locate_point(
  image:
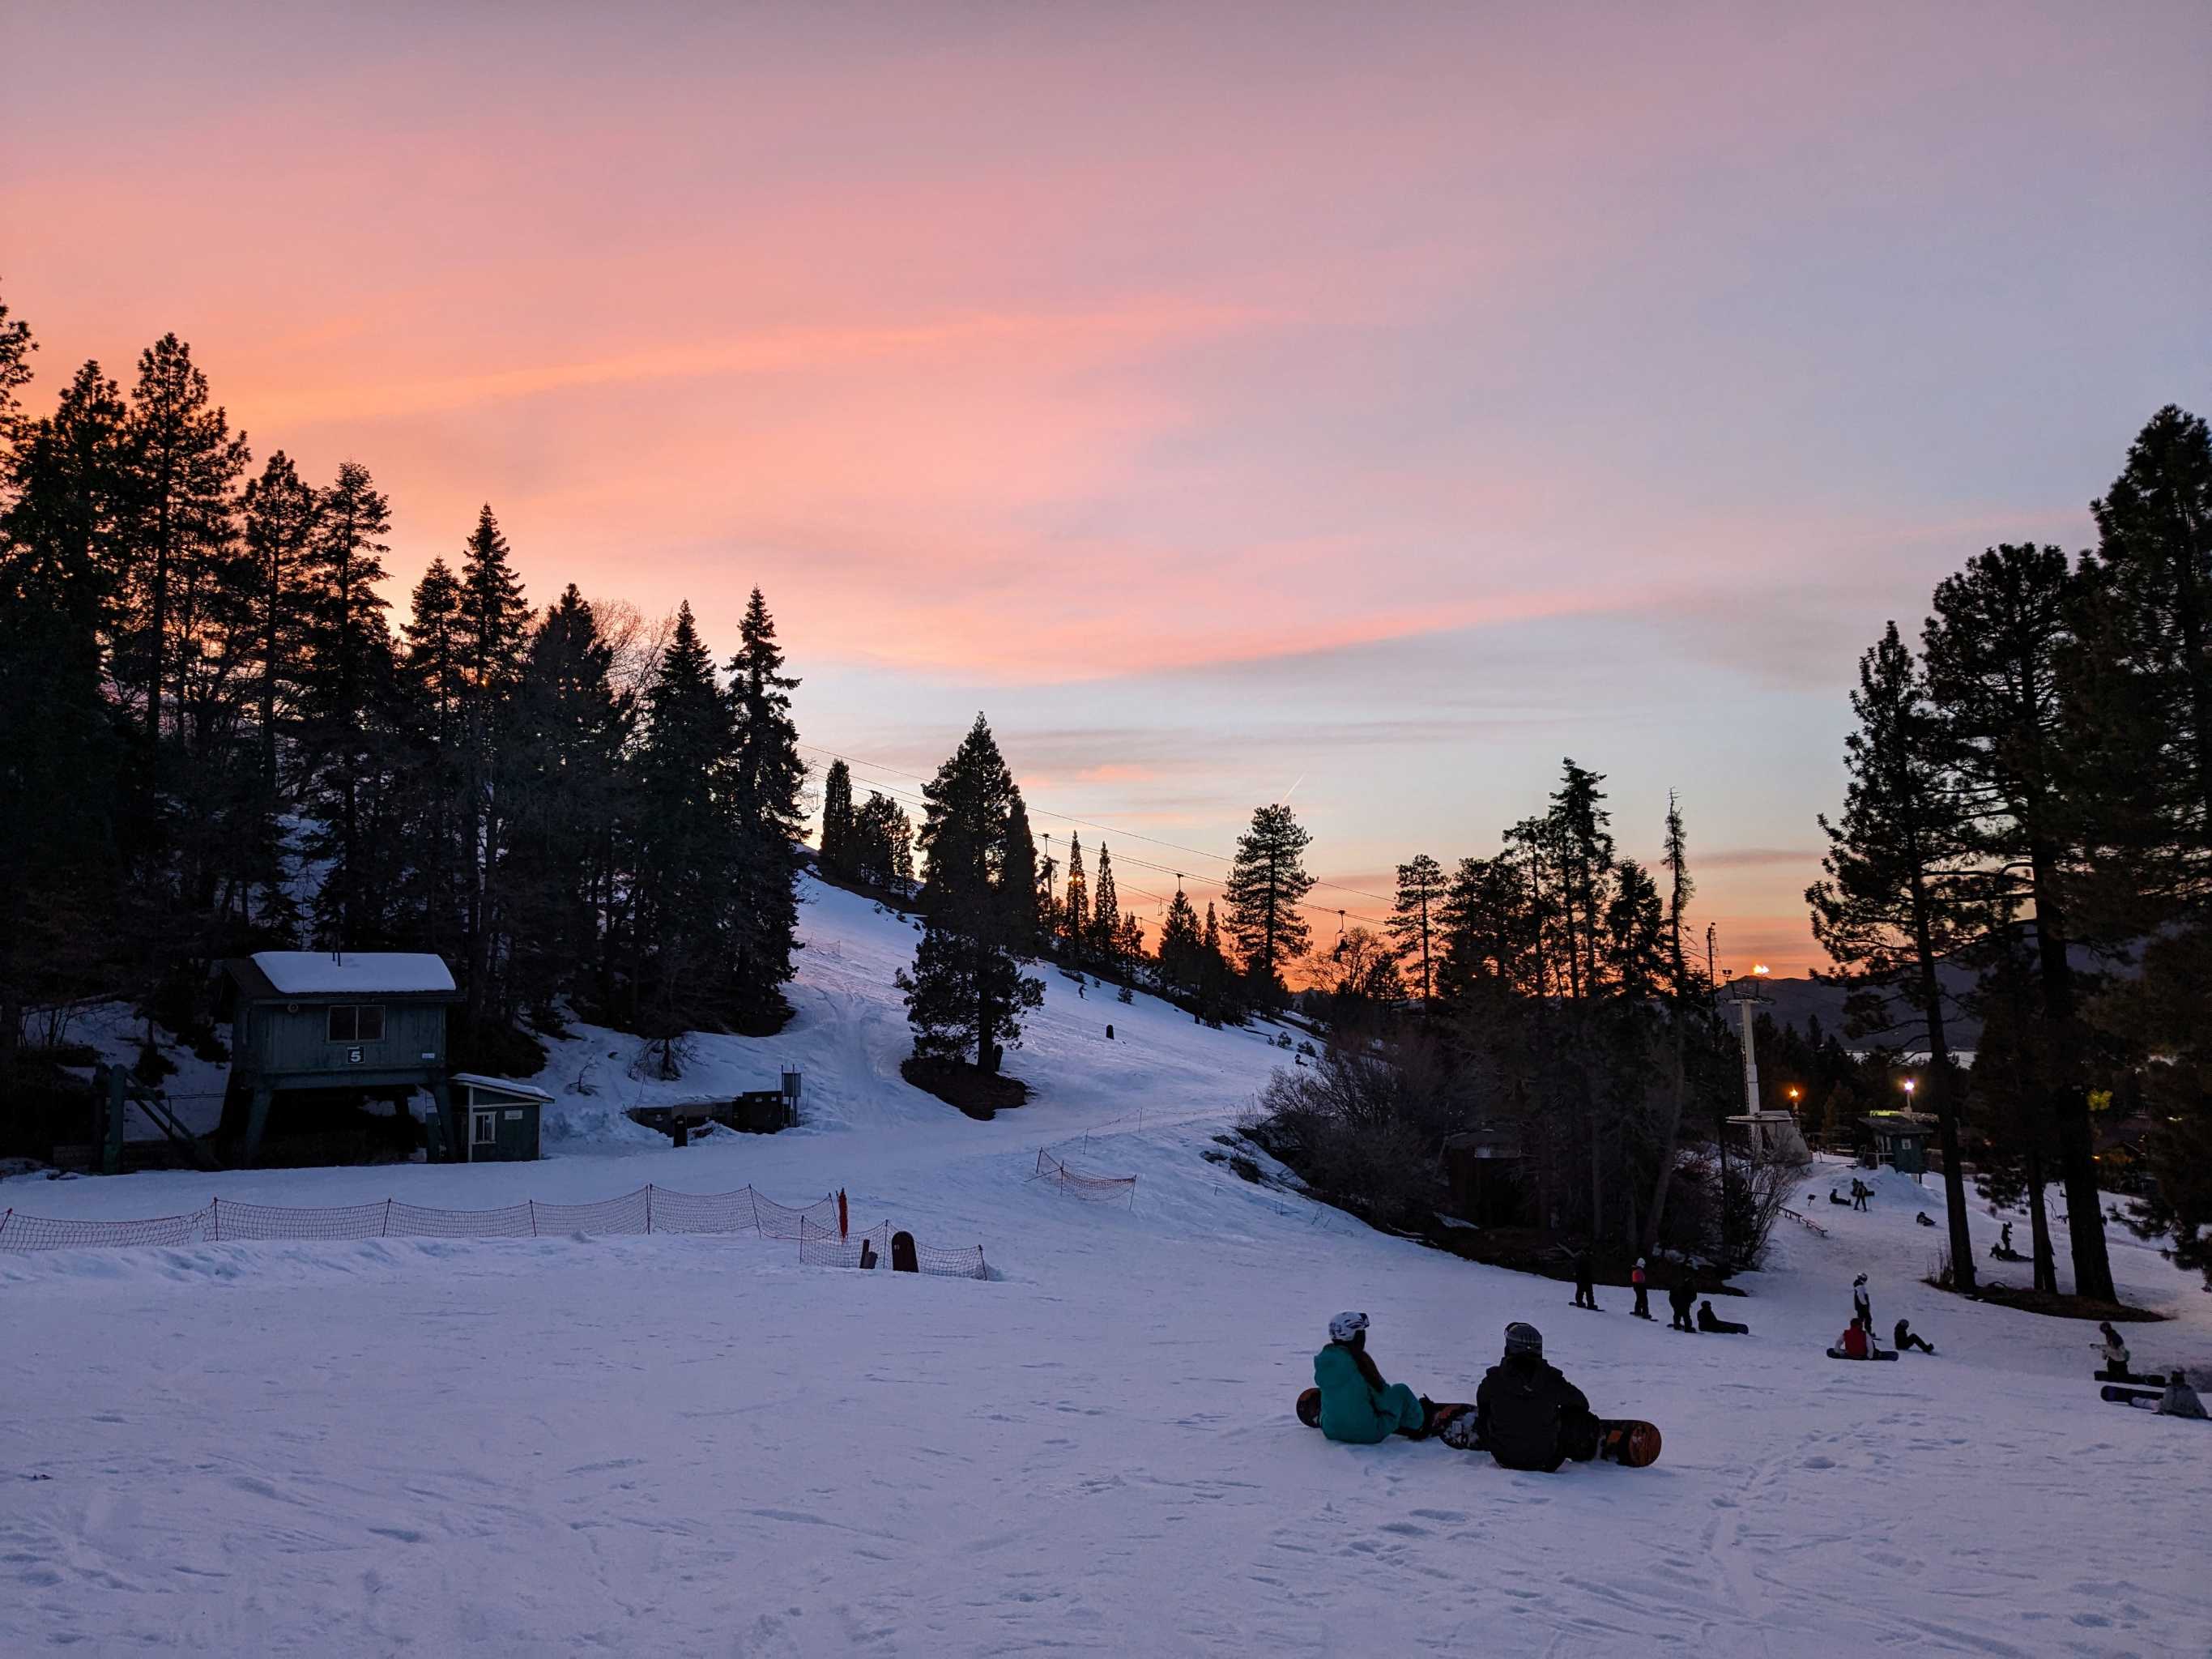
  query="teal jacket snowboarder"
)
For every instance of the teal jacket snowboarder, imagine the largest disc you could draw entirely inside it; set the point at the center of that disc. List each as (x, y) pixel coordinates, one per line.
(1357, 1405)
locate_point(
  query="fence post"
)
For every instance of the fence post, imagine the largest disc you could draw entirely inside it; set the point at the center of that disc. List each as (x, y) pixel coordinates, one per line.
(215, 1220)
(4, 1215)
(387, 1218)
(531, 1203)
(648, 1208)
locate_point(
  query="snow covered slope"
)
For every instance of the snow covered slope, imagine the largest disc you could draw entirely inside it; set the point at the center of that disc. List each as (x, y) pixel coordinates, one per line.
(676, 1445)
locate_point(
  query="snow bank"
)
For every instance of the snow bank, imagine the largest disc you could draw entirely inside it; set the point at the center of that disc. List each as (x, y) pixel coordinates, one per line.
(362, 973)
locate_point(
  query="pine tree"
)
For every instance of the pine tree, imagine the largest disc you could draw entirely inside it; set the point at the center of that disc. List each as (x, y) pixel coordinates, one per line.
(1075, 908)
(346, 683)
(1021, 878)
(1994, 650)
(1213, 990)
(882, 845)
(1680, 991)
(1905, 885)
(492, 632)
(16, 346)
(184, 465)
(1105, 915)
(563, 770)
(682, 835)
(836, 850)
(281, 516)
(1266, 885)
(1182, 947)
(766, 776)
(966, 994)
(1413, 919)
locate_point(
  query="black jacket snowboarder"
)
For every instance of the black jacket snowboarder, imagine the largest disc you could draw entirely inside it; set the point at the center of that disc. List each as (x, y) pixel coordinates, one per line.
(1904, 1339)
(1527, 1414)
(1682, 1296)
(1862, 1304)
(1585, 1288)
(1710, 1320)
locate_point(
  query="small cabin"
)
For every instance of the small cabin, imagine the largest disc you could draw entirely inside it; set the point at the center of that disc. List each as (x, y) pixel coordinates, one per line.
(501, 1118)
(1897, 1138)
(338, 1020)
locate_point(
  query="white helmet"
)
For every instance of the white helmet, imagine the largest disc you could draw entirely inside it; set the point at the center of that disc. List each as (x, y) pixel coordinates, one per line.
(1346, 1326)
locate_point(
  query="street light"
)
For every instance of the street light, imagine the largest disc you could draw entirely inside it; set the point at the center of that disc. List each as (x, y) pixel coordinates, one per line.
(1911, 1084)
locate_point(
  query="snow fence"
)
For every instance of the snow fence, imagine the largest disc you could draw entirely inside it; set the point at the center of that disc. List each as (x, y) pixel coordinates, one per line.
(1096, 1187)
(650, 1209)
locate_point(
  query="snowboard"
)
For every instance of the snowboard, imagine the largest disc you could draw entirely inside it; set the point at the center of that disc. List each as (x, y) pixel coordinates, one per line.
(2121, 1394)
(1630, 1443)
(1879, 1353)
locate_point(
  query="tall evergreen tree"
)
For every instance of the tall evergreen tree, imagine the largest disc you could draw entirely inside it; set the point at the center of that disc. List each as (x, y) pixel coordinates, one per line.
(767, 775)
(1906, 883)
(1075, 907)
(1680, 990)
(1266, 885)
(281, 515)
(966, 994)
(1021, 877)
(1105, 914)
(1994, 649)
(882, 849)
(681, 842)
(347, 685)
(1414, 918)
(1180, 946)
(492, 630)
(184, 464)
(836, 851)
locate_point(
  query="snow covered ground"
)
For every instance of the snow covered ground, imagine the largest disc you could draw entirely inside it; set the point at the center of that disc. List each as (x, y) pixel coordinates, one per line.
(682, 1445)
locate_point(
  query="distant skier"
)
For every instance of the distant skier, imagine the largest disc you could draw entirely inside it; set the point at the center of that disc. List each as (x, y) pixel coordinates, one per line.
(2180, 1400)
(1904, 1339)
(2004, 1240)
(1862, 1305)
(1357, 1405)
(2116, 1356)
(1527, 1414)
(1643, 1308)
(1681, 1297)
(1860, 1192)
(1585, 1286)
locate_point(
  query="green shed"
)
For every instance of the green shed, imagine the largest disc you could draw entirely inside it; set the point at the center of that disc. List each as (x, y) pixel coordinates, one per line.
(1900, 1139)
(336, 1019)
(501, 1118)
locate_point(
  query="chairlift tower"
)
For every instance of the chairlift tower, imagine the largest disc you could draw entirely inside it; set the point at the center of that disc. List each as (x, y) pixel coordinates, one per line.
(1774, 1135)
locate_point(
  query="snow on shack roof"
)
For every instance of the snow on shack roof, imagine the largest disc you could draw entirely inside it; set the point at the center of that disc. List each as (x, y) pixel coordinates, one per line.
(503, 1085)
(367, 973)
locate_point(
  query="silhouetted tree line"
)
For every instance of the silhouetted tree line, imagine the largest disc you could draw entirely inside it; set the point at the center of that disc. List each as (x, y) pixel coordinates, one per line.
(213, 739)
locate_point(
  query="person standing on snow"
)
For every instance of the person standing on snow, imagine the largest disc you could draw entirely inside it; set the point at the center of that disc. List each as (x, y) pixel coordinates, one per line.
(1528, 1416)
(1862, 1304)
(1643, 1309)
(1585, 1287)
(1357, 1405)
(1681, 1297)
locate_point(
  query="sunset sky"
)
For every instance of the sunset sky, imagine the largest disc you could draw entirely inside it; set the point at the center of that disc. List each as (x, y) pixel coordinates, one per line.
(1368, 404)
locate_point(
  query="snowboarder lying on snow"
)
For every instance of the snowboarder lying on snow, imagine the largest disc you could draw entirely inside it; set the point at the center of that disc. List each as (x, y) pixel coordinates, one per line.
(1357, 1405)
(1904, 1339)
(1710, 1320)
(2180, 1400)
(1527, 1414)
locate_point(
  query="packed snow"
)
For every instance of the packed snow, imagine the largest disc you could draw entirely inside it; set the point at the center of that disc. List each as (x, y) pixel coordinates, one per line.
(686, 1445)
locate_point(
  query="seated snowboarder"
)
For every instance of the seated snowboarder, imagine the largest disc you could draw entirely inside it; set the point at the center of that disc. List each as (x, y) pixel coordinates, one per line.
(1924, 1218)
(1856, 1343)
(1835, 1197)
(1904, 1339)
(1681, 1297)
(1710, 1320)
(1357, 1405)
(2180, 1400)
(2116, 1356)
(1528, 1416)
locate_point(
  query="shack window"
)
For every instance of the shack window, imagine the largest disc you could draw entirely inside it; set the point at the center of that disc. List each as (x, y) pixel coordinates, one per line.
(485, 1131)
(356, 1023)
